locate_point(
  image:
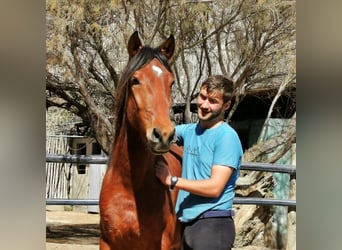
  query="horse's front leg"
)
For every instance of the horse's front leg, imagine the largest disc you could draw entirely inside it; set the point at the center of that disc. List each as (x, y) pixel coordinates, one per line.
(104, 245)
(171, 236)
(168, 244)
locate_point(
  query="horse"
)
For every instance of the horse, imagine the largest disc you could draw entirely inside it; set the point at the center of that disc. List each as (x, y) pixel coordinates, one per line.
(136, 209)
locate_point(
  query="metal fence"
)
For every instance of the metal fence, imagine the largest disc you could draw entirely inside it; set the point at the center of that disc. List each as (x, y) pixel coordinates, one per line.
(252, 166)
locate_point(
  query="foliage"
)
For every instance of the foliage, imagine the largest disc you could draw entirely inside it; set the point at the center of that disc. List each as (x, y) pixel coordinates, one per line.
(252, 41)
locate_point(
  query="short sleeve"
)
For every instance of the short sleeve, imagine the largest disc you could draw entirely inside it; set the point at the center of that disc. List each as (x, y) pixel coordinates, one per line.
(228, 150)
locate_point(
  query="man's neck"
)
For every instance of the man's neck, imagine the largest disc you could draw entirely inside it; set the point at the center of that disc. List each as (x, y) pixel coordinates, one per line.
(210, 124)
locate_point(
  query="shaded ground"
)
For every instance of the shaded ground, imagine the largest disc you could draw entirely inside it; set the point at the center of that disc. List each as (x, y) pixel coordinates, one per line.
(71, 230)
(86, 234)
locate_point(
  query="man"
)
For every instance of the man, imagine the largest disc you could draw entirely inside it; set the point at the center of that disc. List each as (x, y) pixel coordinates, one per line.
(210, 167)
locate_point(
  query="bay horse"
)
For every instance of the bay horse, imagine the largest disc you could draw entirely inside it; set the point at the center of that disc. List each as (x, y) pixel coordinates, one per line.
(136, 209)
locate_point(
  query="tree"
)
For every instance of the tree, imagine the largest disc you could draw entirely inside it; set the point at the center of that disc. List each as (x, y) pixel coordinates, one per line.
(86, 50)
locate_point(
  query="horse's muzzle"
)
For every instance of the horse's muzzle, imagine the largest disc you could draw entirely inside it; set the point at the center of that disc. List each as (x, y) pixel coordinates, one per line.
(160, 141)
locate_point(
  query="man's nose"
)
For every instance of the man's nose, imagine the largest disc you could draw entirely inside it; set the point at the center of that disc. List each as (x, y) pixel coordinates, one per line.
(204, 104)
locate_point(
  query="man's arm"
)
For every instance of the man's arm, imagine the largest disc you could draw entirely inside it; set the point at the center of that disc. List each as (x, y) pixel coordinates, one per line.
(211, 187)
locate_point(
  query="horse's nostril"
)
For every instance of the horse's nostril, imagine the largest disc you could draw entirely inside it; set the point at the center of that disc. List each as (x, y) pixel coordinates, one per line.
(157, 134)
(172, 136)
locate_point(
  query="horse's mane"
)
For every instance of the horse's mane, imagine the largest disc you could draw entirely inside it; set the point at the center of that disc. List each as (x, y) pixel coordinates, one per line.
(144, 55)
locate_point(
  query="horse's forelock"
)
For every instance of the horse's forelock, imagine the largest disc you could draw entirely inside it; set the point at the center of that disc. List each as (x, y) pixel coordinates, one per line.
(145, 55)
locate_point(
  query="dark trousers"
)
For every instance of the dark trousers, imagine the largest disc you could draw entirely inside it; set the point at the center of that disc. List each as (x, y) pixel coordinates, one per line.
(208, 234)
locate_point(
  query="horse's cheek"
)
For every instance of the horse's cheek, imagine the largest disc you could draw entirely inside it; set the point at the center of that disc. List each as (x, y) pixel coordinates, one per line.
(138, 97)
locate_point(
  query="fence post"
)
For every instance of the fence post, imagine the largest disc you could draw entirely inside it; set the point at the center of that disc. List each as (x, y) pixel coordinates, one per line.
(291, 217)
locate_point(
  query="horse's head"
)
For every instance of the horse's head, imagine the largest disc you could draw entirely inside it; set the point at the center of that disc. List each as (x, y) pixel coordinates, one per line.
(148, 98)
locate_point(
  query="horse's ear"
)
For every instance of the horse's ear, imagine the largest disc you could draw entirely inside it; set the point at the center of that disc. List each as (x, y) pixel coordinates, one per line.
(168, 47)
(134, 44)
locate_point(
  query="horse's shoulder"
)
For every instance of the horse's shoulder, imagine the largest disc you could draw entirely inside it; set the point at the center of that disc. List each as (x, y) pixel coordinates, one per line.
(174, 159)
(176, 150)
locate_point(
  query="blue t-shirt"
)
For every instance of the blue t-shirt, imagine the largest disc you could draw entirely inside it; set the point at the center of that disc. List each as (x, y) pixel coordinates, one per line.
(204, 148)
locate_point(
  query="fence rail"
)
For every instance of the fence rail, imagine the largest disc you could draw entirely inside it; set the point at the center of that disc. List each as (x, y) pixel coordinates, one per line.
(252, 166)
(237, 200)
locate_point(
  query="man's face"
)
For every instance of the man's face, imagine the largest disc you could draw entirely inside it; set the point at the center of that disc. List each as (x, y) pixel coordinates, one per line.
(210, 105)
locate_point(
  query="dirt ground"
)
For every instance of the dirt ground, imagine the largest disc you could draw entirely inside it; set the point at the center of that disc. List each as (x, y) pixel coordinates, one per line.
(75, 231)
(71, 230)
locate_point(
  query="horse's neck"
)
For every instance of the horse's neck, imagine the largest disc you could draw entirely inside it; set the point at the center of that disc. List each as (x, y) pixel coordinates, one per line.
(131, 158)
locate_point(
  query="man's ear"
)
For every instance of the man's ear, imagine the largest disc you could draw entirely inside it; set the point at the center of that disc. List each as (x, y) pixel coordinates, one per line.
(227, 105)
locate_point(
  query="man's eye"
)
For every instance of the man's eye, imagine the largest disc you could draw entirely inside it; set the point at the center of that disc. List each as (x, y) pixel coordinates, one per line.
(202, 97)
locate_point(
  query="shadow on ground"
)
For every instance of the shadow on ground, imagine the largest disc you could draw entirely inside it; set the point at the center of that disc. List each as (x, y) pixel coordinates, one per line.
(85, 234)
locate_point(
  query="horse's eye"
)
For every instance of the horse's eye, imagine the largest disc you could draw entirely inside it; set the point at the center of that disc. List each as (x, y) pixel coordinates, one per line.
(134, 81)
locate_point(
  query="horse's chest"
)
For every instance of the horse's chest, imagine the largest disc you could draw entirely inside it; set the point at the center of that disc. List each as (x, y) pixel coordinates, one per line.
(134, 213)
(132, 217)
(129, 229)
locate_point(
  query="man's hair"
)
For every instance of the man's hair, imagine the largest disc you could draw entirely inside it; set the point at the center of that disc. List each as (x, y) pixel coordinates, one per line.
(220, 83)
